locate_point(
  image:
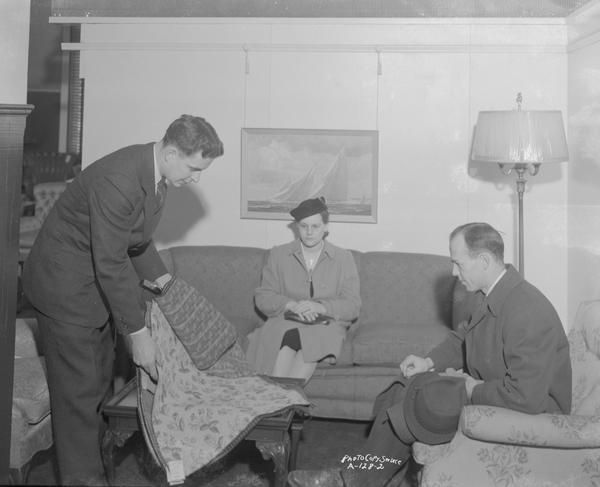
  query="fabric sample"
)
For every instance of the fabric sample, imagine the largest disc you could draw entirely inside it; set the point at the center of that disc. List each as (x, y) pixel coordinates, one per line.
(202, 329)
(199, 417)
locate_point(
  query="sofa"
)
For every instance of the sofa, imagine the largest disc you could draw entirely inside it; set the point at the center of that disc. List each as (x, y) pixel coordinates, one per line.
(409, 304)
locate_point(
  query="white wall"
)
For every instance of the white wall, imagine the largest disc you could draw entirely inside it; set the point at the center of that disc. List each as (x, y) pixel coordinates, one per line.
(14, 45)
(436, 75)
(584, 166)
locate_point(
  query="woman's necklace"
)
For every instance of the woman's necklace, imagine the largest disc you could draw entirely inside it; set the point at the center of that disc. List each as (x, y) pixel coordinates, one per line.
(311, 256)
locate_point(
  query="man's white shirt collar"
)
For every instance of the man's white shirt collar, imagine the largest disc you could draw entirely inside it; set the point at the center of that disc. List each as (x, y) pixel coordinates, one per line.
(157, 176)
(495, 282)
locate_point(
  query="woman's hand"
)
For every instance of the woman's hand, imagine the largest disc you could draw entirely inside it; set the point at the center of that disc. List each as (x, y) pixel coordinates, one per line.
(308, 309)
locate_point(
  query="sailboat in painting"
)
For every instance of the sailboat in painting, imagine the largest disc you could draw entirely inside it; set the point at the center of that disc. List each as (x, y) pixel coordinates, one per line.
(333, 185)
(345, 190)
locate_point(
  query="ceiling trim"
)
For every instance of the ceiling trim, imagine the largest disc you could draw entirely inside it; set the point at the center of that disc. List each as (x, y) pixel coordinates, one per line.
(357, 48)
(315, 21)
(315, 8)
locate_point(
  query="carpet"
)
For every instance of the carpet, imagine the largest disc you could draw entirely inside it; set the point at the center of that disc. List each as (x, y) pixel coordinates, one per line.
(322, 445)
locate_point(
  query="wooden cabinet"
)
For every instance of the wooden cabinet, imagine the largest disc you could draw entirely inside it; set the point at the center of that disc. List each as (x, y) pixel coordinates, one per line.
(12, 127)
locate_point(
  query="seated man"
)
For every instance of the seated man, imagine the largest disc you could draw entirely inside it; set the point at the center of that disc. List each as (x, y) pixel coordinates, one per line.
(513, 350)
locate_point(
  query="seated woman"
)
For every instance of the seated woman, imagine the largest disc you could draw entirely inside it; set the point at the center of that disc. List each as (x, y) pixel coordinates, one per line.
(308, 276)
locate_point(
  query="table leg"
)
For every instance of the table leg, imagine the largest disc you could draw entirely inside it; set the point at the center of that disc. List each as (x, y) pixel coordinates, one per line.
(107, 450)
(279, 452)
(111, 439)
(295, 433)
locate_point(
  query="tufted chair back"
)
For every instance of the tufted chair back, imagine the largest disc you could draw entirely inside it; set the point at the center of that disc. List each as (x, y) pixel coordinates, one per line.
(45, 195)
(584, 342)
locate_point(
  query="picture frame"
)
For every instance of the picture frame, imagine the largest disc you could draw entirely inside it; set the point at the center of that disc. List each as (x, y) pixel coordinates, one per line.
(282, 167)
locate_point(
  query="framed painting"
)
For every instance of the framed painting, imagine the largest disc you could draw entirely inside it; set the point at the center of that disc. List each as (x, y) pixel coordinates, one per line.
(282, 167)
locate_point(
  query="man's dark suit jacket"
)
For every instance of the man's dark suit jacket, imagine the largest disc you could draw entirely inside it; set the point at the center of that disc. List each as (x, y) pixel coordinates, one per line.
(96, 244)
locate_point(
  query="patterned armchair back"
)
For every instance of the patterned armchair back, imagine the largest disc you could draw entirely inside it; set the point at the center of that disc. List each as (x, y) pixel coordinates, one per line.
(44, 167)
(45, 195)
(584, 341)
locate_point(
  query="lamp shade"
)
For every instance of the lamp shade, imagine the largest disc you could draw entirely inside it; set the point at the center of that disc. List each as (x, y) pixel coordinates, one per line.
(515, 136)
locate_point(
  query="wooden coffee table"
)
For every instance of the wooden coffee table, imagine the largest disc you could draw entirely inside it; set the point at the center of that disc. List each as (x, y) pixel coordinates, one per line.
(276, 437)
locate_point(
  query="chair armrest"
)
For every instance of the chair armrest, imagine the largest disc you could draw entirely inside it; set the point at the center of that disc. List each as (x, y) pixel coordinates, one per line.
(29, 223)
(500, 425)
(425, 454)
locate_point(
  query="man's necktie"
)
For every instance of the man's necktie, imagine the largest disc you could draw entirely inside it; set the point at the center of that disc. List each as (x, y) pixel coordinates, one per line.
(161, 192)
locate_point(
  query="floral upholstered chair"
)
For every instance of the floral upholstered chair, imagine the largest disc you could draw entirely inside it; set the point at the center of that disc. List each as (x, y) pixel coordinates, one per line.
(501, 447)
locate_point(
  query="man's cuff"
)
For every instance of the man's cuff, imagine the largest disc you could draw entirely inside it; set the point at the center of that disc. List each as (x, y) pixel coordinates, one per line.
(162, 280)
(159, 286)
(476, 395)
(143, 329)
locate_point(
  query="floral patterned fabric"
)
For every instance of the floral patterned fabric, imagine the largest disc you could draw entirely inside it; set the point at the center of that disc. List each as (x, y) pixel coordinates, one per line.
(501, 447)
(197, 417)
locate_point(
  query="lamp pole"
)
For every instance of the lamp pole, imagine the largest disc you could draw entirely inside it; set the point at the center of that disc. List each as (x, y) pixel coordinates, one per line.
(520, 169)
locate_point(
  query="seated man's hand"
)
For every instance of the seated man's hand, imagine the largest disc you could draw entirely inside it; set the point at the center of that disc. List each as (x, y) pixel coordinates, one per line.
(455, 373)
(413, 364)
(470, 382)
(143, 351)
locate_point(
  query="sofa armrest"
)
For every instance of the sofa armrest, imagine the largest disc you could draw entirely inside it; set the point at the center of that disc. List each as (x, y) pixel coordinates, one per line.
(500, 425)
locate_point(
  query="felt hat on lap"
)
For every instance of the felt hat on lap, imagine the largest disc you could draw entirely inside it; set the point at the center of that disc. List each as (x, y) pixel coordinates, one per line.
(432, 406)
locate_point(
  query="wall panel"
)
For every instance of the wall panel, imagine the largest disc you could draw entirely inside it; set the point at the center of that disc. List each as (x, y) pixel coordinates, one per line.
(420, 83)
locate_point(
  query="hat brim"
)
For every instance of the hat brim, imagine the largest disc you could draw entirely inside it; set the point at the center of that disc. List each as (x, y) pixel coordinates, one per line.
(431, 380)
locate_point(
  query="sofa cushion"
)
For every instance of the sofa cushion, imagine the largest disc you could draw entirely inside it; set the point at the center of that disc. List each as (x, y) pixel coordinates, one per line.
(405, 288)
(348, 392)
(390, 343)
(243, 325)
(30, 389)
(225, 276)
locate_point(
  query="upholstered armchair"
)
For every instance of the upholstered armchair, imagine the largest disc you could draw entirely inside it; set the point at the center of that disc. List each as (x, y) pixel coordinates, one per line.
(496, 446)
(31, 428)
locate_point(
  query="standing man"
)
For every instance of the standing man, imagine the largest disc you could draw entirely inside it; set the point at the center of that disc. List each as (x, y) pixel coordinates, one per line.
(83, 273)
(513, 350)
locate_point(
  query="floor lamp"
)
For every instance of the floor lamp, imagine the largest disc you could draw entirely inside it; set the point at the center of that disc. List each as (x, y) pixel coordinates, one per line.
(520, 141)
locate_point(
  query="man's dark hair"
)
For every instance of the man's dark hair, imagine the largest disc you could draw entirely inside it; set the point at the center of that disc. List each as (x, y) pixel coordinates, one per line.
(481, 237)
(191, 135)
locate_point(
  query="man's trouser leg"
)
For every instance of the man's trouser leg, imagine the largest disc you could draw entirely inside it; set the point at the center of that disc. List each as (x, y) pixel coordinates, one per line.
(79, 363)
(384, 441)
